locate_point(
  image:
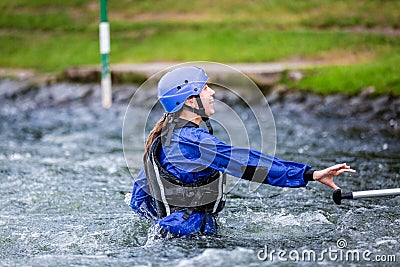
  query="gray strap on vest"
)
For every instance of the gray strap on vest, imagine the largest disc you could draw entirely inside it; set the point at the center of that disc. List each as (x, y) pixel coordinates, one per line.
(221, 191)
(169, 134)
(162, 192)
(170, 129)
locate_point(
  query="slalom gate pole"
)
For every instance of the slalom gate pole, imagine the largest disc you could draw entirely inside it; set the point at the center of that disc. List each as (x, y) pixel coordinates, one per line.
(104, 36)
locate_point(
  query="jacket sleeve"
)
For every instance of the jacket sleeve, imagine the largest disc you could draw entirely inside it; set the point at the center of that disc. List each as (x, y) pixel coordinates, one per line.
(141, 201)
(249, 164)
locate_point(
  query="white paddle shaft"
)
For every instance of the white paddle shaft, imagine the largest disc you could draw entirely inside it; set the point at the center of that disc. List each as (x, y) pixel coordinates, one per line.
(377, 193)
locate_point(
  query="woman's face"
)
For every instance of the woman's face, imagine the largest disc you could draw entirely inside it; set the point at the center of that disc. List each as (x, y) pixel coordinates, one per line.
(207, 97)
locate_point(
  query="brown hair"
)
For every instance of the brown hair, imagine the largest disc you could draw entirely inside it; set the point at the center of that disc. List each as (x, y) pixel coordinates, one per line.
(162, 122)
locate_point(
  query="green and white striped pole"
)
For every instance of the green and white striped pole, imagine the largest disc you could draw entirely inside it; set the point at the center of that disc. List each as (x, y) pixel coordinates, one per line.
(104, 35)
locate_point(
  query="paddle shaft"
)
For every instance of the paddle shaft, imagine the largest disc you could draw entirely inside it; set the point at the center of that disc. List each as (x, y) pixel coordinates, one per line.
(338, 195)
(376, 193)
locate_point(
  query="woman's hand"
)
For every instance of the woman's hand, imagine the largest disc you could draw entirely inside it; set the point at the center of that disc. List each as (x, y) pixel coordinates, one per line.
(326, 176)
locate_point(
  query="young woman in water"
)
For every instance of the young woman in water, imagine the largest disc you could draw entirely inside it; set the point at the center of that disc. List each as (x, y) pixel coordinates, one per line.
(181, 186)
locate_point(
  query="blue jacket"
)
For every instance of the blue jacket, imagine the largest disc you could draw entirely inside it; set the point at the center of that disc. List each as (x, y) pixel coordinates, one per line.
(192, 155)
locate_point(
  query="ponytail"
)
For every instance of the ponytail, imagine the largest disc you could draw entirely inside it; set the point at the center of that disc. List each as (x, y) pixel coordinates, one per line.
(162, 122)
(159, 127)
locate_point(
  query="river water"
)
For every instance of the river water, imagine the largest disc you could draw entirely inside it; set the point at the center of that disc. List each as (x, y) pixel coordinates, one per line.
(64, 179)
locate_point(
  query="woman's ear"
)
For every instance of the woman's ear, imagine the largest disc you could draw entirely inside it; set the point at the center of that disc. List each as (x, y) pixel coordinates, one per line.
(189, 101)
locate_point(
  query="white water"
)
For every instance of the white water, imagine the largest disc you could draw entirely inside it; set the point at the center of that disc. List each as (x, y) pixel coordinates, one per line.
(64, 179)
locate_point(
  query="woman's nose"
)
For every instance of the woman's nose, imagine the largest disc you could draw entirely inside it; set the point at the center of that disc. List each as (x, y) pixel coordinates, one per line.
(212, 92)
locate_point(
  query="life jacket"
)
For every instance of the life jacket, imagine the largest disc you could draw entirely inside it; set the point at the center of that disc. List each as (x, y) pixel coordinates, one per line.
(206, 196)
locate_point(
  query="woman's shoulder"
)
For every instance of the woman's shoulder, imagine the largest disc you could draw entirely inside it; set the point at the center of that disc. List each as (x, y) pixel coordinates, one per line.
(194, 133)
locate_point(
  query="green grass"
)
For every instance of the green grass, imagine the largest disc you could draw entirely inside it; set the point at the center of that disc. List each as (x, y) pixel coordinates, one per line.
(48, 53)
(383, 75)
(50, 36)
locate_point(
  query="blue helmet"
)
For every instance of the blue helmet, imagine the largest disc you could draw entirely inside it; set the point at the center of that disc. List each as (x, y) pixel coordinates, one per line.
(177, 85)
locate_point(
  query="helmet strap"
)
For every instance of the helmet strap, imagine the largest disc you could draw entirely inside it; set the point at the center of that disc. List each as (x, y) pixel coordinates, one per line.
(172, 120)
(201, 112)
(208, 124)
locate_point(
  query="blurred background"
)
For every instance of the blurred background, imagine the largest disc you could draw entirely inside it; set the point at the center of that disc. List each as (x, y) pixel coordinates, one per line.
(356, 42)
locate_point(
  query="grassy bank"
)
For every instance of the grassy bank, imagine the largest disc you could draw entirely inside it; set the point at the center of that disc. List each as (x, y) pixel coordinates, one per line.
(348, 36)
